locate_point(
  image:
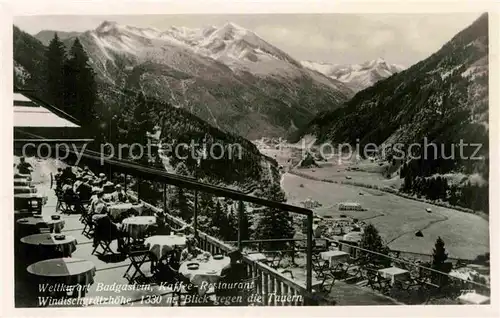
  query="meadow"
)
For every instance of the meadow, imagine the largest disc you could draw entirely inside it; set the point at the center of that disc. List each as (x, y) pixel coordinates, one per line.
(397, 219)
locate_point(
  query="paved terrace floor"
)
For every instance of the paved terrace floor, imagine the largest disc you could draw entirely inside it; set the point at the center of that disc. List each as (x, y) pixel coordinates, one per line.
(111, 273)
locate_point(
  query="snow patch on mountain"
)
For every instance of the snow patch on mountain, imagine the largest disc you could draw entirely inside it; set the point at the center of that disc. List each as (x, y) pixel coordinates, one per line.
(21, 74)
(356, 76)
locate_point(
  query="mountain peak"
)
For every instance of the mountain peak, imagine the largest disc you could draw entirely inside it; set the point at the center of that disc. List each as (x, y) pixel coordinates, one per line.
(233, 26)
(230, 31)
(356, 76)
(106, 26)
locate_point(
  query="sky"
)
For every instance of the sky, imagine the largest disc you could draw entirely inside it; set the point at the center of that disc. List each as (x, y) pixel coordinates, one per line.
(401, 39)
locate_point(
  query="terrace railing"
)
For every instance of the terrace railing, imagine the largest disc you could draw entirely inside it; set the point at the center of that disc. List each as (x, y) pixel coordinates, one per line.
(267, 280)
(433, 283)
(274, 288)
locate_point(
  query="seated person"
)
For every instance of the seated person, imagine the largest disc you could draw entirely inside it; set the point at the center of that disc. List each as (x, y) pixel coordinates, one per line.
(57, 179)
(168, 266)
(175, 258)
(232, 274)
(68, 192)
(23, 167)
(107, 230)
(77, 183)
(87, 171)
(95, 184)
(191, 251)
(108, 189)
(85, 189)
(83, 195)
(118, 195)
(68, 176)
(102, 179)
(98, 205)
(163, 228)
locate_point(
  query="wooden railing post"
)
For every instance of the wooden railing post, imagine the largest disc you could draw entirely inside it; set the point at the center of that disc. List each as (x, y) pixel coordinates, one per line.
(139, 189)
(125, 183)
(240, 216)
(309, 252)
(195, 221)
(165, 198)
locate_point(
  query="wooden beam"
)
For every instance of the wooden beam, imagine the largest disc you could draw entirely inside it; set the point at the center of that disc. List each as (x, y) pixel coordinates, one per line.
(309, 253)
(125, 182)
(139, 189)
(164, 198)
(240, 225)
(152, 174)
(195, 220)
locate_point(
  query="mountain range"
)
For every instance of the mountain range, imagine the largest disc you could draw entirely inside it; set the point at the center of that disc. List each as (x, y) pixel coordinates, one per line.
(356, 76)
(254, 171)
(443, 98)
(226, 75)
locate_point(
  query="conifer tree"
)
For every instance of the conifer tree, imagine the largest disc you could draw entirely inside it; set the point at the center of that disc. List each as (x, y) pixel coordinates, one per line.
(54, 72)
(182, 205)
(275, 223)
(371, 240)
(139, 126)
(439, 257)
(229, 226)
(80, 91)
(246, 224)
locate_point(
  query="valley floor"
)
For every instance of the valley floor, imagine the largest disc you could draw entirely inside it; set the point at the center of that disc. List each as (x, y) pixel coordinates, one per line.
(397, 219)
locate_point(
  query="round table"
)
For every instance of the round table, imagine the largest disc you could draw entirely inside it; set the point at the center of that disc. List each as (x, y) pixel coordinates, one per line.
(137, 226)
(68, 271)
(209, 271)
(116, 209)
(65, 246)
(26, 200)
(53, 225)
(160, 245)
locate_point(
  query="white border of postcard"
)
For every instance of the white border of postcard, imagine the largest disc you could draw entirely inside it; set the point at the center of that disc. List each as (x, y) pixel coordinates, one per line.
(10, 8)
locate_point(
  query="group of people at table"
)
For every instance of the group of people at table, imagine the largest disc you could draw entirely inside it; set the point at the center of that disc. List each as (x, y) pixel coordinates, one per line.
(175, 252)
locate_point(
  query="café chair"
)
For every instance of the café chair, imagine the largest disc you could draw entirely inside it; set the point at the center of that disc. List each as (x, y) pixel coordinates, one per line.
(136, 272)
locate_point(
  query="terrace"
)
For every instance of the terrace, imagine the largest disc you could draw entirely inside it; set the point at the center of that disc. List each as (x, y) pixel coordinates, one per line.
(267, 279)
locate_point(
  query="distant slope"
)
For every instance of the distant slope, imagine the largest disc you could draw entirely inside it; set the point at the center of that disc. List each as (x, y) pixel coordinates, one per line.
(356, 76)
(45, 36)
(29, 59)
(443, 98)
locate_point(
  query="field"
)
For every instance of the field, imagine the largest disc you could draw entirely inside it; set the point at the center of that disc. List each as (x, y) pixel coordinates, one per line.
(369, 173)
(397, 219)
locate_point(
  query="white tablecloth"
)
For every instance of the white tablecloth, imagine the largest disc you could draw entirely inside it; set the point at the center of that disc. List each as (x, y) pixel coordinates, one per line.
(116, 209)
(160, 245)
(335, 257)
(53, 225)
(137, 226)
(66, 245)
(257, 257)
(70, 271)
(395, 274)
(209, 272)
